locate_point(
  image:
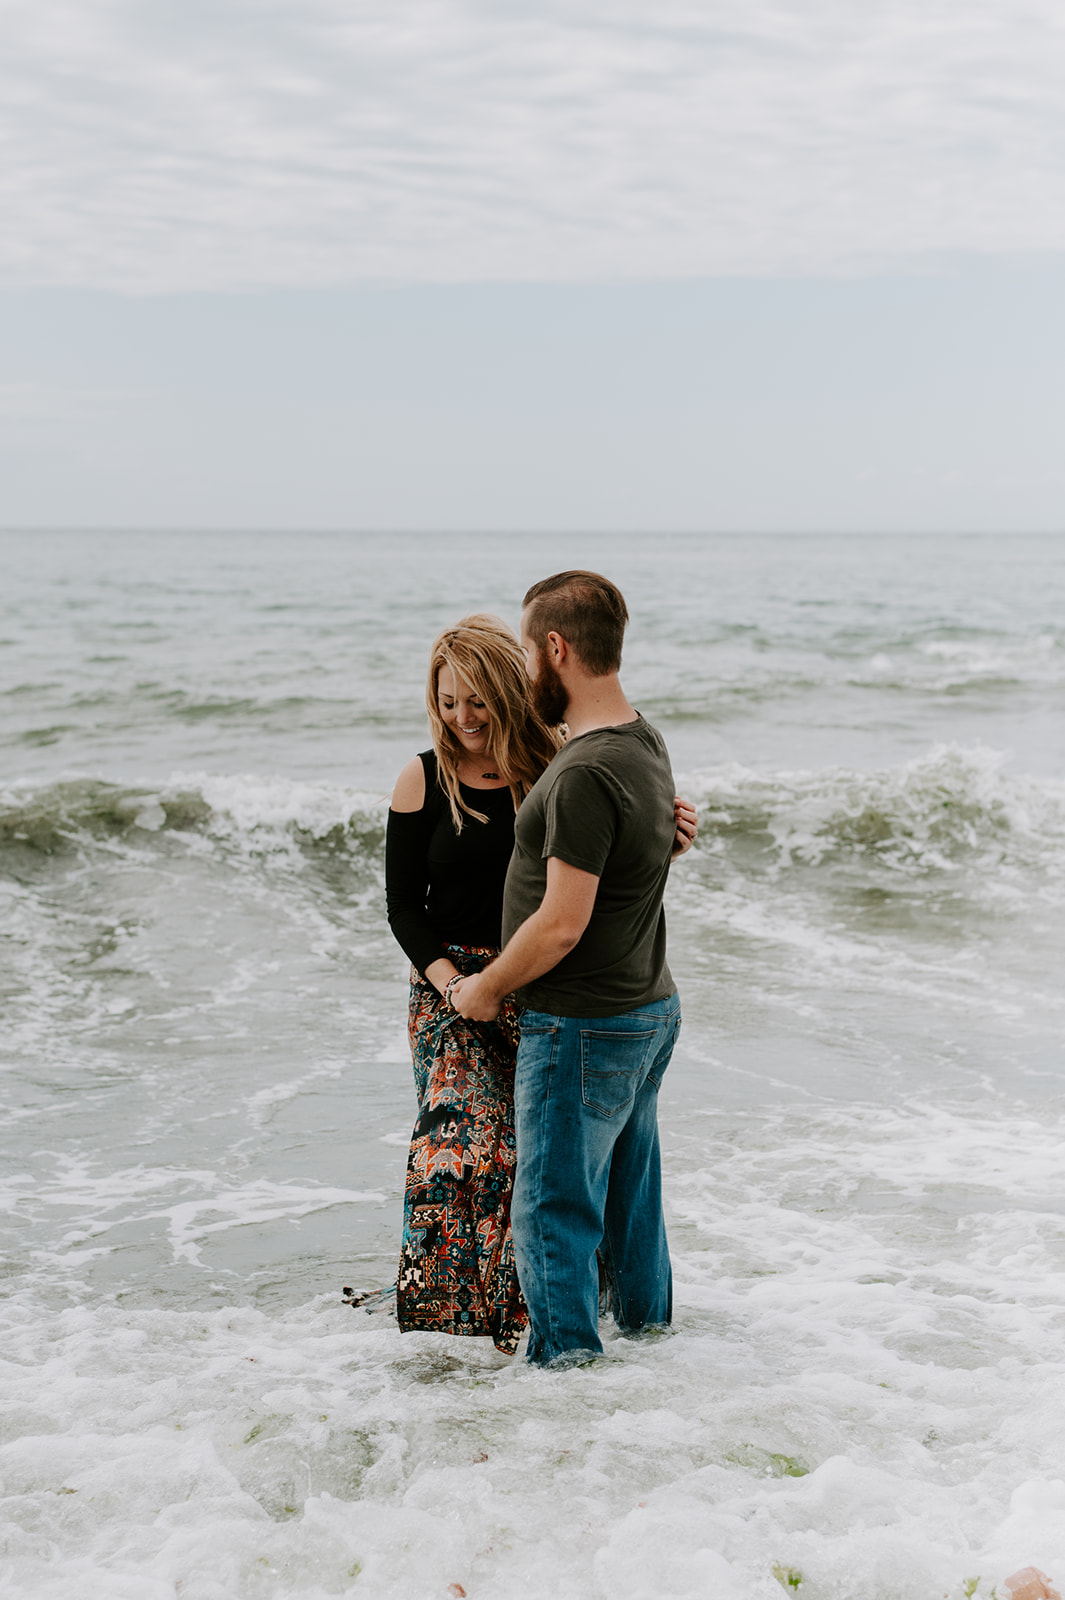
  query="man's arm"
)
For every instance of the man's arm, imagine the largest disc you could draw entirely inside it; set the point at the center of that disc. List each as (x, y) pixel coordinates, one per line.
(538, 945)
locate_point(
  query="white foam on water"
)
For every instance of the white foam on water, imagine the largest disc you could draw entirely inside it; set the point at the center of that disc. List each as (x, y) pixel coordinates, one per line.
(115, 939)
(930, 815)
(261, 1201)
(50, 1003)
(935, 890)
(864, 1387)
(261, 1106)
(1037, 659)
(100, 1199)
(258, 805)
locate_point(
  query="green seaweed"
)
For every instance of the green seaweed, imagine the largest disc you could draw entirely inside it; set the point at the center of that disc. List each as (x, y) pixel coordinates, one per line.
(770, 1463)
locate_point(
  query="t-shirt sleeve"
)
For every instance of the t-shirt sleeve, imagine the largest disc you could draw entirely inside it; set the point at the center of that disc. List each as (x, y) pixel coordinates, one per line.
(581, 820)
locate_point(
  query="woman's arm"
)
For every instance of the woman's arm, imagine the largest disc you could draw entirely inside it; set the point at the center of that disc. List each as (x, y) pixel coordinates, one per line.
(407, 877)
(409, 793)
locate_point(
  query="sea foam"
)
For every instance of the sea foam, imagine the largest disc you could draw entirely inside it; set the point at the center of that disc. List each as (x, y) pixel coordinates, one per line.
(861, 1390)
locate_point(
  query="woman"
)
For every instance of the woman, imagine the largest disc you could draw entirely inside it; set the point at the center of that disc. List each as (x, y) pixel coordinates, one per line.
(450, 836)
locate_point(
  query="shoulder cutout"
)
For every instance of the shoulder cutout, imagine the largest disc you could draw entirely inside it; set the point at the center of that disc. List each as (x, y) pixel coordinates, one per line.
(409, 793)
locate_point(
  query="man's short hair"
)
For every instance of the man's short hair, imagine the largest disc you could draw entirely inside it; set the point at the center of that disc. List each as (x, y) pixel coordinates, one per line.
(586, 610)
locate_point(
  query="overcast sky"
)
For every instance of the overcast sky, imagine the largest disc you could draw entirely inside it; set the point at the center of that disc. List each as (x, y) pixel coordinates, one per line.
(341, 262)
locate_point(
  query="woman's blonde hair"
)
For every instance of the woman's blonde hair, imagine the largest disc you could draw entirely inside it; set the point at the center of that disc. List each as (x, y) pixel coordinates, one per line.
(483, 652)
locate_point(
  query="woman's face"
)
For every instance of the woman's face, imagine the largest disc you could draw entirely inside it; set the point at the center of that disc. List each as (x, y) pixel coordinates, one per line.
(463, 712)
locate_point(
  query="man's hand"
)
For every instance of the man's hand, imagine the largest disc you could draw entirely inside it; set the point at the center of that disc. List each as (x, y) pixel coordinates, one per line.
(687, 820)
(538, 945)
(475, 999)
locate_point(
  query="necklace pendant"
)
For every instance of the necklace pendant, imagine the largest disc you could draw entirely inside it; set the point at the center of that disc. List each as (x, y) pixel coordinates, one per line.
(494, 775)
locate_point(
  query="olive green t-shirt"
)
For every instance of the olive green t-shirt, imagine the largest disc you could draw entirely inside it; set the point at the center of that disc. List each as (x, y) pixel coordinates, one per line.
(605, 805)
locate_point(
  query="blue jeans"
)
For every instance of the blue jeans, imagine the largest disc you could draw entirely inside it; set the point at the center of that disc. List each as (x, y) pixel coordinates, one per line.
(589, 1175)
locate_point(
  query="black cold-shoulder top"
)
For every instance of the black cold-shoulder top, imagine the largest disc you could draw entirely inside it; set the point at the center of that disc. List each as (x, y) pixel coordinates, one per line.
(444, 887)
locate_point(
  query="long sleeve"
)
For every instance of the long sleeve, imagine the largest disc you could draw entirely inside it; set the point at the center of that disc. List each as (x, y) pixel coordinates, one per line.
(407, 884)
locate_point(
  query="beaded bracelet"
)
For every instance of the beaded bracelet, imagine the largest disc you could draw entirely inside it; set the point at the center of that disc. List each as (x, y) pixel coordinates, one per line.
(451, 982)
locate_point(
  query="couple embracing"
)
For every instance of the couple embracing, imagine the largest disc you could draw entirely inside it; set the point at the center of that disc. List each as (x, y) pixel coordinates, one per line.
(525, 876)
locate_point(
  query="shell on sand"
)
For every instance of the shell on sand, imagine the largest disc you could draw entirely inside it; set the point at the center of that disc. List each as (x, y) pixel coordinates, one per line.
(1030, 1584)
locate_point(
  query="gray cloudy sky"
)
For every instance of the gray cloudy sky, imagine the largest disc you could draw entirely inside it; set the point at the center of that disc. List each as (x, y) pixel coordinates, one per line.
(277, 175)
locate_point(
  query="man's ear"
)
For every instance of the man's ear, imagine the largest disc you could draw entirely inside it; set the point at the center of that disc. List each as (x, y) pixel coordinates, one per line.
(557, 648)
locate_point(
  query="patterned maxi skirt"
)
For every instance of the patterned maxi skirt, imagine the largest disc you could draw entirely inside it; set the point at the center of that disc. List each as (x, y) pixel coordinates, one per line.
(456, 1269)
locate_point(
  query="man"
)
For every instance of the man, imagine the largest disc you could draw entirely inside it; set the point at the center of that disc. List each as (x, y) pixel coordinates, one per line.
(584, 949)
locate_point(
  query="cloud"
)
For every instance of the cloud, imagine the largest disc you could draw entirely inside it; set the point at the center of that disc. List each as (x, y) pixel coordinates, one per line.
(220, 144)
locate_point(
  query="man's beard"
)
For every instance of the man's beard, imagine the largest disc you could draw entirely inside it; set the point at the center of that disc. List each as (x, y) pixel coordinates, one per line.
(548, 693)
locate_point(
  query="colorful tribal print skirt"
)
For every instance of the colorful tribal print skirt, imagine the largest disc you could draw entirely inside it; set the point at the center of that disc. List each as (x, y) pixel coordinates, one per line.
(456, 1268)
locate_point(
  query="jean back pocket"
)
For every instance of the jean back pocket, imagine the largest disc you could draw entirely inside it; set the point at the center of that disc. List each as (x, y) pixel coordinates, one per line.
(613, 1066)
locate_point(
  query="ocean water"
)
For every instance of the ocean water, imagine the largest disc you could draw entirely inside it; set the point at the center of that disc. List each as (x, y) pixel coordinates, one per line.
(207, 1094)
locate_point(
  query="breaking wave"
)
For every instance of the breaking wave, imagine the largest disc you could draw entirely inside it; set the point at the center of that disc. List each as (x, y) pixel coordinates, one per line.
(260, 813)
(949, 809)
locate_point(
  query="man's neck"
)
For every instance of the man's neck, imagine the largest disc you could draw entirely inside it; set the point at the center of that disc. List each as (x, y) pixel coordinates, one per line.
(597, 703)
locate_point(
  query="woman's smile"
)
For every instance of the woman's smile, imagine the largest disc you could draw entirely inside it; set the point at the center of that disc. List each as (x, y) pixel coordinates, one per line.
(462, 712)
